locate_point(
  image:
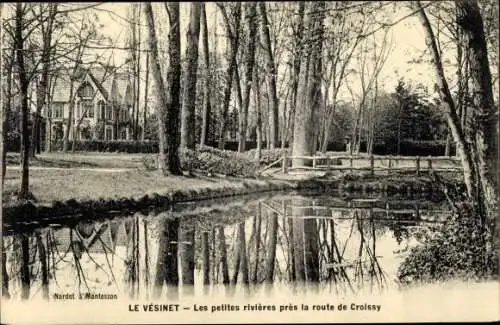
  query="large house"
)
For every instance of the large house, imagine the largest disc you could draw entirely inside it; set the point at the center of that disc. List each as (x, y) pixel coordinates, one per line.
(102, 105)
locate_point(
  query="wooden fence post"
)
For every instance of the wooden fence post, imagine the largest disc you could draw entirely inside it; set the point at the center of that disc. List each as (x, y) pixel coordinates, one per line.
(389, 165)
(327, 163)
(372, 165)
(350, 163)
(418, 165)
(314, 162)
(429, 162)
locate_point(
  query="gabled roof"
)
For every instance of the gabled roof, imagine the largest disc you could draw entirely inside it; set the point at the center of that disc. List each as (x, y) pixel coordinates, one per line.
(111, 84)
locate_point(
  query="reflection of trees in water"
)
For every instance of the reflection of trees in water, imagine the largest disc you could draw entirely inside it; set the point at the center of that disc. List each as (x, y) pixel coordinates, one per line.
(275, 244)
(46, 260)
(354, 270)
(186, 254)
(132, 259)
(166, 264)
(20, 267)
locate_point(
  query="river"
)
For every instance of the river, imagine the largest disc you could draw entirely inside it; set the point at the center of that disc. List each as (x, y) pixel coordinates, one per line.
(249, 249)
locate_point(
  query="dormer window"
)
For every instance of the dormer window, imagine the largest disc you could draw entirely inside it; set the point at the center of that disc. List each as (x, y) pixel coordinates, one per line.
(86, 91)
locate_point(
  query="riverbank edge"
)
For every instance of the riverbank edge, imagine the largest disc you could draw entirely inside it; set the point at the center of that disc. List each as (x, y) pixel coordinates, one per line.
(33, 211)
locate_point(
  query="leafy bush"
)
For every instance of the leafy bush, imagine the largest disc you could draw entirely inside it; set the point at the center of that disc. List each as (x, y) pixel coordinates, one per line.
(454, 250)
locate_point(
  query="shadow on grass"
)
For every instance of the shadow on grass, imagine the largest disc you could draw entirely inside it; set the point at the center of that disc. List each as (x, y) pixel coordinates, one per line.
(65, 163)
(44, 162)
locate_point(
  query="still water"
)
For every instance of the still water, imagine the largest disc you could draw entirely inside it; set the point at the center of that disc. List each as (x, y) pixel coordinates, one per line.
(287, 244)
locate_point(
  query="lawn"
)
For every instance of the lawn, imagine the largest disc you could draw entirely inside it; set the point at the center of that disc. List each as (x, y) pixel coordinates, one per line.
(61, 184)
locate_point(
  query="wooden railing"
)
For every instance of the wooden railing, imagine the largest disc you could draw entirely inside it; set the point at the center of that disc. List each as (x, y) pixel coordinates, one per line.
(372, 163)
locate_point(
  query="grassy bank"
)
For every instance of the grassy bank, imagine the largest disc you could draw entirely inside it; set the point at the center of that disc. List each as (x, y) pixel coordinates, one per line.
(84, 192)
(73, 191)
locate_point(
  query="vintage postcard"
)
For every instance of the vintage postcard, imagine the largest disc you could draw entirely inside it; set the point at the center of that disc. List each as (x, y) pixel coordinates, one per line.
(249, 162)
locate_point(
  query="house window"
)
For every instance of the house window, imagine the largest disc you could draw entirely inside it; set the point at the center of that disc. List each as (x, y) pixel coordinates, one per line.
(101, 110)
(109, 112)
(57, 110)
(86, 91)
(109, 133)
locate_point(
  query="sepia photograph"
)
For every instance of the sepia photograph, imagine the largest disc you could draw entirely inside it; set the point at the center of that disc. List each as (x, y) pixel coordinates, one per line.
(249, 162)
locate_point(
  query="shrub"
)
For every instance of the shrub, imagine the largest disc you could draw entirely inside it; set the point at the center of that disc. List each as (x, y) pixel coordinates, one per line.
(456, 250)
(214, 161)
(225, 162)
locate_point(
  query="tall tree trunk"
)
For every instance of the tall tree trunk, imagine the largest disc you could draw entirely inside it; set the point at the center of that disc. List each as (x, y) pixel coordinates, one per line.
(133, 53)
(207, 80)
(23, 85)
(71, 111)
(486, 138)
(233, 37)
(271, 78)
(451, 115)
(145, 111)
(7, 95)
(249, 62)
(237, 84)
(42, 86)
(138, 72)
(259, 116)
(296, 66)
(168, 115)
(305, 106)
(48, 128)
(326, 134)
(190, 78)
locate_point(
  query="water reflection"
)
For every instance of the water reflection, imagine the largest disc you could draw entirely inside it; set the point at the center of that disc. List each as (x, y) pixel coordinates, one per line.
(304, 244)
